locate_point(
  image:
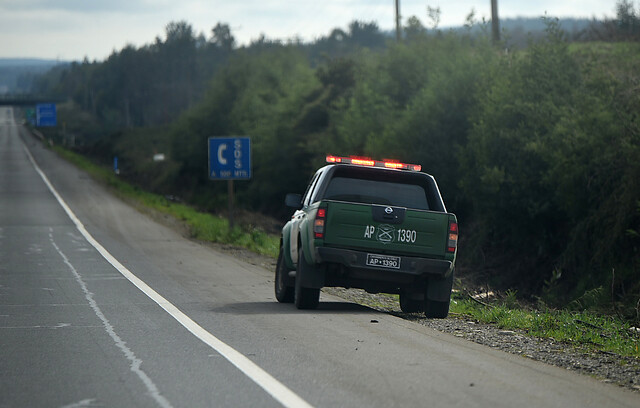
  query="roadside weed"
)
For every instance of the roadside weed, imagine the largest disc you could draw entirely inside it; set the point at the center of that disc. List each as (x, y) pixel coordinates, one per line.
(596, 333)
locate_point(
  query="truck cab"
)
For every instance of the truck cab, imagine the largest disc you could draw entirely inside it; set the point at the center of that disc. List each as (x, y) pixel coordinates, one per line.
(381, 226)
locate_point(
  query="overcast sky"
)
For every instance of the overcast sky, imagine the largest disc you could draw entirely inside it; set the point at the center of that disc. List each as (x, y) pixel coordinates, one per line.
(73, 29)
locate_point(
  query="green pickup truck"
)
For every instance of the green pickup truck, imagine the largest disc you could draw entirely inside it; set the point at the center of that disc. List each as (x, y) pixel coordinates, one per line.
(375, 225)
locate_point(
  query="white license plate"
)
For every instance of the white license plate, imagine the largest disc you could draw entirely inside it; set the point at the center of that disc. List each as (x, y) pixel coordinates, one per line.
(383, 261)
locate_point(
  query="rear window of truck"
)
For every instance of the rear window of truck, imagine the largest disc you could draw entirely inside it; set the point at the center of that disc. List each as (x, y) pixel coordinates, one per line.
(366, 191)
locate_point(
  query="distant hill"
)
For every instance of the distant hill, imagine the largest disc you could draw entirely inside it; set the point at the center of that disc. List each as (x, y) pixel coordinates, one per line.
(517, 32)
(531, 24)
(27, 62)
(17, 74)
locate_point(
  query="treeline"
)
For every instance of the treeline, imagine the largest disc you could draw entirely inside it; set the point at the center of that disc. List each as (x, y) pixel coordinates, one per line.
(537, 151)
(625, 27)
(153, 84)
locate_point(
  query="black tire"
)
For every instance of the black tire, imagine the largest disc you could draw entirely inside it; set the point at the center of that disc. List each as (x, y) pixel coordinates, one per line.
(304, 298)
(436, 310)
(409, 305)
(284, 293)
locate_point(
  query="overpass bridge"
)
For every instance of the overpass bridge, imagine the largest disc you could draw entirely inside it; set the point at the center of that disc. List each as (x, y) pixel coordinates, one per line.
(23, 100)
(39, 110)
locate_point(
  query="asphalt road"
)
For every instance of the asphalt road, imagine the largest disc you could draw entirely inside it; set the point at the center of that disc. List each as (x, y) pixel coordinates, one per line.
(102, 306)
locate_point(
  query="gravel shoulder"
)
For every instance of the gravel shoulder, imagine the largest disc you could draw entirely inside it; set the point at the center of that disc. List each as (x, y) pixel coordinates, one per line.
(607, 367)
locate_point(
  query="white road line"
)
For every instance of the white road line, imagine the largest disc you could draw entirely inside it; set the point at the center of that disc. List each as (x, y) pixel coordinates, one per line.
(82, 404)
(135, 362)
(266, 381)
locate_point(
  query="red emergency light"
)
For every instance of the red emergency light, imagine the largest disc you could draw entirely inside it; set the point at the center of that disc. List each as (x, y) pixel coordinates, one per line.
(365, 161)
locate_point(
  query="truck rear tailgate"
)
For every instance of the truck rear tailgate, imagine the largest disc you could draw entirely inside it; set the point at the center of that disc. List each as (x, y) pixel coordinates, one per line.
(416, 233)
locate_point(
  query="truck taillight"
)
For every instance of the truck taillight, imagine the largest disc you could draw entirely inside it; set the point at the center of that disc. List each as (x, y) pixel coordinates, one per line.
(318, 223)
(452, 240)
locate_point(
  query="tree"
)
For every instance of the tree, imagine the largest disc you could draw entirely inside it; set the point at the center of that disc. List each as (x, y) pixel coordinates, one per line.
(222, 37)
(414, 28)
(365, 34)
(507, 159)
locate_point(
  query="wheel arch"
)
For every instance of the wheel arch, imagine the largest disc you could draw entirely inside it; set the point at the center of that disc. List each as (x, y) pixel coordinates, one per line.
(285, 244)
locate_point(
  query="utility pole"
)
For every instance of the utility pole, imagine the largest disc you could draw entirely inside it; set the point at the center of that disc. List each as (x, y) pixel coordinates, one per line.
(495, 22)
(398, 28)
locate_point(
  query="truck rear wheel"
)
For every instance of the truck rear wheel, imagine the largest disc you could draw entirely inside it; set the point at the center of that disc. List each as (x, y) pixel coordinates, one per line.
(436, 310)
(408, 304)
(284, 293)
(305, 298)
(437, 297)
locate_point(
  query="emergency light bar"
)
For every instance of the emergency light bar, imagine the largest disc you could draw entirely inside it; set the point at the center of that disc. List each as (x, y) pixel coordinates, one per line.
(364, 161)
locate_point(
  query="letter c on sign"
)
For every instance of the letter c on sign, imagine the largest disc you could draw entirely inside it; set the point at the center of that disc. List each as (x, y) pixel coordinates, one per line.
(221, 149)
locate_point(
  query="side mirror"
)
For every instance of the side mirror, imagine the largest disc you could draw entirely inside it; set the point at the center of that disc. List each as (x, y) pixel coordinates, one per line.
(293, 201)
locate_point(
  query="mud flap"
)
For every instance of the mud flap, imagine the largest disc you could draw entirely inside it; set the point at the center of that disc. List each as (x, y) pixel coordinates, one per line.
(439, 288)
(312, 276)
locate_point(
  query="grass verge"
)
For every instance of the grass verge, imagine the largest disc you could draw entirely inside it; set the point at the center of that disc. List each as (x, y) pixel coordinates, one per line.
(592, 331)
(202, 226)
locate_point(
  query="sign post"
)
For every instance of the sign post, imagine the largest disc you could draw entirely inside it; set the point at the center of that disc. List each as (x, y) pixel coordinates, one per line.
(230, 159)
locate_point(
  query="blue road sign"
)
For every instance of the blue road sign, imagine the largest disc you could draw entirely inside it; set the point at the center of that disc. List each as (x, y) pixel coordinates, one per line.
(46, 114)
(229, 158)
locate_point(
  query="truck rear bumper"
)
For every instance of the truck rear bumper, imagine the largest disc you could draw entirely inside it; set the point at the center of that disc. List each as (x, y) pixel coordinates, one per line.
(356, 261)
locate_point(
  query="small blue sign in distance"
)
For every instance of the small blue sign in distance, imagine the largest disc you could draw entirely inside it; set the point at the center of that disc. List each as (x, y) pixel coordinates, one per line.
(46, 114)
(229, 158)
